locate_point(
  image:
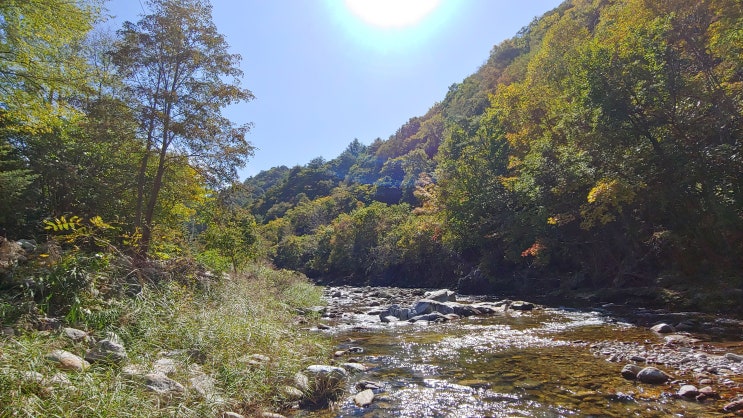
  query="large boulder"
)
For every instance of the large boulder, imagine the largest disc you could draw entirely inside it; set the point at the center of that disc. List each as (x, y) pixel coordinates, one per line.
(427, 306)
(398, 312)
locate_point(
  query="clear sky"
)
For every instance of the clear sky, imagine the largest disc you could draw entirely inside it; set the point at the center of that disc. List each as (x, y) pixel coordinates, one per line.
(323, 74)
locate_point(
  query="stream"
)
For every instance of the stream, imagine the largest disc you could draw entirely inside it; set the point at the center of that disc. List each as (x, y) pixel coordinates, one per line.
(543, 362)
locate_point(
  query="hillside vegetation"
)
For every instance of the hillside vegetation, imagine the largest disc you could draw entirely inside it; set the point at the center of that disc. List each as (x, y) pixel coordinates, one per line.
(600, 147)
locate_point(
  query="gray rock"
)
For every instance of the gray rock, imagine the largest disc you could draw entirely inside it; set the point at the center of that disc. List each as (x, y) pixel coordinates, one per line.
(8, 332)
(430, 317)
(443, 295)
(271, 415)
(354, 367)
(165, 365)
(364, 398)
(367, 384)
(652, 375)
(688, 391)
(735, 405)
(520, 305)
(206, 386)
(231, 414)
(402, 314)
(291, 394)
(734, 357)
(302, 381)
(158, 382)
(630, 371)
(107, 351)
(662, 328)
(680, 339)
(326, 373)
(465, 310)
(427, 306)
(389, 318)
(75, 334)
(67, 361)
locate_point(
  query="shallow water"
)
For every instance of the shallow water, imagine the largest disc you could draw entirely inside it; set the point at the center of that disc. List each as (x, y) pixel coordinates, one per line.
(512, 364)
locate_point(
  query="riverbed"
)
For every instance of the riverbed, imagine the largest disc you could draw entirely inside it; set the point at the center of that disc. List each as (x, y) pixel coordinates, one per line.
(543, 362)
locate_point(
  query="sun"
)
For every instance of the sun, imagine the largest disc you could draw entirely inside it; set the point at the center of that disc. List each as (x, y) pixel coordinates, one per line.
(393, 14)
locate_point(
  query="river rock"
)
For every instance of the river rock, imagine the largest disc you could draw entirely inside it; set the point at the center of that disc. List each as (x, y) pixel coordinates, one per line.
(680, 339)
(389, 318)
(431, 317)
(733, 406)
(107, 351)
(652, 376)
(426, 306)
(630, 371)
(402, 314)
(354, 367)
(231, 414)
(520, 305)
(443, 295)
(326, 374)
(67, 361)
(688, 391)
(737, 358)
(364, 398)
(465, 310)
(367, 384)
(158, 382)
(662, 328)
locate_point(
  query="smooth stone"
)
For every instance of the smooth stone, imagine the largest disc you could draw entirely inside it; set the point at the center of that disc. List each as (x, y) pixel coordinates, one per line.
(367, 384)
(652, 375)
(443, 295)
(231, 414)
(733, 406)
(630, 371)
(327, 375)
(662, 328)
(68, 361)
(354, 367)
(734, 357)
(364, 398)
(75, 334)
(688, 391)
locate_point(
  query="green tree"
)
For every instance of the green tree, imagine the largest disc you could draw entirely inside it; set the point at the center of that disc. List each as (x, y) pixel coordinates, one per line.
(181, 76)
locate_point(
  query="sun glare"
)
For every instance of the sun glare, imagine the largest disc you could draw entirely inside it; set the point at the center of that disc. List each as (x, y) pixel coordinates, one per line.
(392, 13)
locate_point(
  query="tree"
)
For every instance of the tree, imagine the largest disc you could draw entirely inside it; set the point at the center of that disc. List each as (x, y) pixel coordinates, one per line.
(181, 75)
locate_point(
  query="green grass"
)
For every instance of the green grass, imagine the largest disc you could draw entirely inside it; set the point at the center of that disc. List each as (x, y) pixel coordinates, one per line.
(216, 330)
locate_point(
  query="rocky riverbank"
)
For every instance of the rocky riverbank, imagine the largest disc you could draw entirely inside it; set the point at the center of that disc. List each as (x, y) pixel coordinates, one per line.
(683, 359)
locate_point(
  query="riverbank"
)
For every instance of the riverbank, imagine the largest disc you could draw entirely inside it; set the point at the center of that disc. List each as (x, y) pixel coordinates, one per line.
(175, 349)
(544, 361)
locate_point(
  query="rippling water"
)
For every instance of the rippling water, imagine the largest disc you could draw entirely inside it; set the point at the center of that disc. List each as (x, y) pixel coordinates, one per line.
(530, 364)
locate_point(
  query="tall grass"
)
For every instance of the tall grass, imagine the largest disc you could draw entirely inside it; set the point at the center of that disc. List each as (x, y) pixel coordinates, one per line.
(210, 332)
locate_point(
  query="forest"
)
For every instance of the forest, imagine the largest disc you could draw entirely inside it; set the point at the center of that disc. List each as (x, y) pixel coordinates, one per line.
(599, 147)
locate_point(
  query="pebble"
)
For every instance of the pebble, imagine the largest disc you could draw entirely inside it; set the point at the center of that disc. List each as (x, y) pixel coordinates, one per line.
(364, 398)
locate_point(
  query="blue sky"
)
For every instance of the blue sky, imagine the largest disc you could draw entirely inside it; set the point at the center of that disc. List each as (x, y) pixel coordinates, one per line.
(322, 76)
